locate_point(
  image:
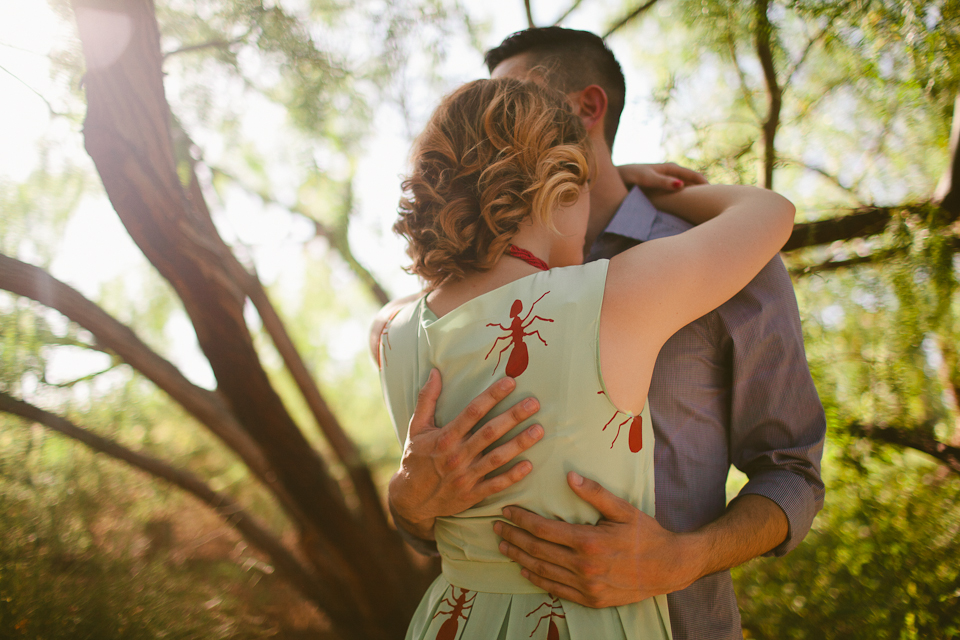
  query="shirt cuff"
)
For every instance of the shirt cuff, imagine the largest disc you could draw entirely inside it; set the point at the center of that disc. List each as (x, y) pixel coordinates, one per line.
(794, 496)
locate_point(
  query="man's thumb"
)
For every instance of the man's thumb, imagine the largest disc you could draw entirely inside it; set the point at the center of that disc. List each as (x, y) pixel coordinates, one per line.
(424, 413)
(610, 506)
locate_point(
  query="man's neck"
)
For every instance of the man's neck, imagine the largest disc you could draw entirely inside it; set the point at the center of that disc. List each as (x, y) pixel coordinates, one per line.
(607, 193)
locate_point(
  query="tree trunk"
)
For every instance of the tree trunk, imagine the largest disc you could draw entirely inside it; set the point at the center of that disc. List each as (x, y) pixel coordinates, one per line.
(127, 132)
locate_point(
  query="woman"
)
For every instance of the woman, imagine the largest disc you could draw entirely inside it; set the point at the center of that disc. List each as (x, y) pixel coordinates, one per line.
(495, 214)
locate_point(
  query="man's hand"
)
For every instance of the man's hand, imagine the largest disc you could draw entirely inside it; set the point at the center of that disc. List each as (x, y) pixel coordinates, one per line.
(667, 176)
(443, 470)
(625, 558)
(628, 556)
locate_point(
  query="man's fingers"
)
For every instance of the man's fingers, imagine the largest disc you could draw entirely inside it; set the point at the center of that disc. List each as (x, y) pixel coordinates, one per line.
(497, 428)
(474, 412)
(611, 507)
(529, 553)
(503, 423)
(561, 534)
(557, 589)
(498, 483)
(423, 413)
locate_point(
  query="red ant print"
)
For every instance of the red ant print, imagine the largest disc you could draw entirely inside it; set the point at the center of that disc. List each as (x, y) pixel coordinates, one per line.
(450, 626)
(519, 357)
(385, 338)
(552, 608)
(635, 441)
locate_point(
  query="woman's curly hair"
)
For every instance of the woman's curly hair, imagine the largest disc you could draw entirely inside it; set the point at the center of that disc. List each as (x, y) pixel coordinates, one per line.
(494, 153)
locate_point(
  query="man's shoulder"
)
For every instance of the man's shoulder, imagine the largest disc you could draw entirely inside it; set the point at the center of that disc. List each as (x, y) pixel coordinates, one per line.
(769, 298)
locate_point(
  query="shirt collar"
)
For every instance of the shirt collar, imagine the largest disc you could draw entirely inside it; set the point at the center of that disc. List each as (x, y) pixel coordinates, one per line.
(635, 217)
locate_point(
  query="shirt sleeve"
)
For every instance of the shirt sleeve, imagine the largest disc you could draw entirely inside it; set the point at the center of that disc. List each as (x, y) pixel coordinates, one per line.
(777, 423)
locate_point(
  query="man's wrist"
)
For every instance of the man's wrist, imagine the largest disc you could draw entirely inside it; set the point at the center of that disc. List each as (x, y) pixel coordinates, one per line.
(408, 519)
(694, 552)
(751, 526)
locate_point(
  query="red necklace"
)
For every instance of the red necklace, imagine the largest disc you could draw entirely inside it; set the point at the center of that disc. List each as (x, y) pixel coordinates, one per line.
(527, 257)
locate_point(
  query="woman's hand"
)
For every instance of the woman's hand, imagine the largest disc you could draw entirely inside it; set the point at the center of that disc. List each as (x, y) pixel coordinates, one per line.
(667, 176)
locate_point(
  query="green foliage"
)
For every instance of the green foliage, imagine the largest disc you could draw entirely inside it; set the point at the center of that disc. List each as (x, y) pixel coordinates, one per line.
(94, 550)
(868, 90)
(880, 563)
(868, 98)
(36, 211)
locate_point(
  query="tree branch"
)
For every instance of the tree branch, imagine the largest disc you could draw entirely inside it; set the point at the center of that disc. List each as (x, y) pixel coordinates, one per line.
(628, 18)
(565, 14)
(53, 112)
(867, 221)
(206, 406)
(774, 92)
(90, 376)
(829, 19)
(851, 190)
(744, 86)
(526, 6)
(212, 44)
(803, 56)
(372, 512)
(836, 265)
(912, 439)
(337, 238)
(948, 191)
(223, 504)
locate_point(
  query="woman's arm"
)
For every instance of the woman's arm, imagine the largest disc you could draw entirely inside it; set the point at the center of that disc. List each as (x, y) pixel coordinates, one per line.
(656, 288)
(697, 204)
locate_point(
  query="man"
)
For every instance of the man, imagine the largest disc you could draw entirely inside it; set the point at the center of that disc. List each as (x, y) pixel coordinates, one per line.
(731, 388)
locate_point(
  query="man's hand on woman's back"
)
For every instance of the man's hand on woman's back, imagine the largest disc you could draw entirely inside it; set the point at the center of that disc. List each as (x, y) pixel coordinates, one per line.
(443, 469)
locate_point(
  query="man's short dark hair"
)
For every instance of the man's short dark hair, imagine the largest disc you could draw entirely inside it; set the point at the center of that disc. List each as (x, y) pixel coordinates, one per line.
(571, 60)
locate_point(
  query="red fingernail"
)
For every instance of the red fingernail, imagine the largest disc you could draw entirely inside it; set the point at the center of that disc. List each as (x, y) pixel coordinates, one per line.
(677, 184)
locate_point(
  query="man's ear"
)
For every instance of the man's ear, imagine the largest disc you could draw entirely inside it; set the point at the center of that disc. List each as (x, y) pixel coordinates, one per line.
(591, 105)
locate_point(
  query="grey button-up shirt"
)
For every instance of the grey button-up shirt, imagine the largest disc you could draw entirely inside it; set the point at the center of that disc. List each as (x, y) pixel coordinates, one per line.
(732, 387)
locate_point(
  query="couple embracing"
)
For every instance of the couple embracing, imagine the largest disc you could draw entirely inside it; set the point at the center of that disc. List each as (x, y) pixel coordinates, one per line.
(671, 353)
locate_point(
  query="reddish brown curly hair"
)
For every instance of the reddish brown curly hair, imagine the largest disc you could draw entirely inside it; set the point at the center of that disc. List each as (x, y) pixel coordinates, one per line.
(494, 153)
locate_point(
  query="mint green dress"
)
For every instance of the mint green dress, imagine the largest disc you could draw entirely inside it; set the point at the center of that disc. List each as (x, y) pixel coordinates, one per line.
(543, 330)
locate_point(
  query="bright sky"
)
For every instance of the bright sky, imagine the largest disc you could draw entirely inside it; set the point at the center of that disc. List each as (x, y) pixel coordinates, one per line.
(29, 30)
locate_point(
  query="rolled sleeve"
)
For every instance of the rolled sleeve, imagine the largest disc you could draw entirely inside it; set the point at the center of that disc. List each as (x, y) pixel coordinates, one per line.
(777, 423)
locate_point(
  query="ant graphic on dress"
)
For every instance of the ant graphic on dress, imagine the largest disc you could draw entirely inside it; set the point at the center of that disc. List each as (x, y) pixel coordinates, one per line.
(553, 633)
(635, 441)
(448, 630)
(519, 357)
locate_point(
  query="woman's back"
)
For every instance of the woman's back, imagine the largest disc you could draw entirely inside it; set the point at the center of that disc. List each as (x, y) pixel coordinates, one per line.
(543, 330)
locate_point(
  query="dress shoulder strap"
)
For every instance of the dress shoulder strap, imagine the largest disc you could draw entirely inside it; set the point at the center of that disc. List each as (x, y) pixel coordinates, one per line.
(399, 365)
